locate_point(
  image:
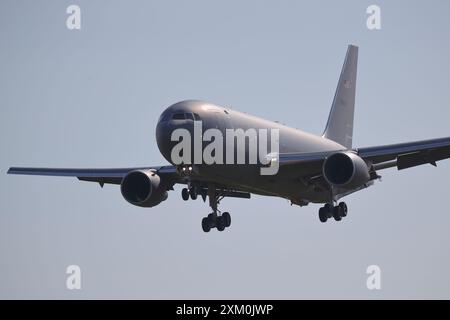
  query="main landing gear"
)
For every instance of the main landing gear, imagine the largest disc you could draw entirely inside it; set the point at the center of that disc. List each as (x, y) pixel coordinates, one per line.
(215, 219)
(329, 211)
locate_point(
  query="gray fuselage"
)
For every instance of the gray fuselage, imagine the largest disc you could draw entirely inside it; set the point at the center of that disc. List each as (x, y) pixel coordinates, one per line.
(246, 177)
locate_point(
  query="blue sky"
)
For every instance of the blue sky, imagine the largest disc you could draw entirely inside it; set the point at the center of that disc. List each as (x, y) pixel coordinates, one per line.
(91, 98)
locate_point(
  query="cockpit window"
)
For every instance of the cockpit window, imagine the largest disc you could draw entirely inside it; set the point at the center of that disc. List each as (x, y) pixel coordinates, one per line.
(164, 117)
(178, 116)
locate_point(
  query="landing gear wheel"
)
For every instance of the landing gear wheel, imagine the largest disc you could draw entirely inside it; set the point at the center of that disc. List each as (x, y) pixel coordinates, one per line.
(328, 208)
(330, 211)
(185, 194)
(220, 223)
(193, 193)
(227, 219)
(206, 226)
(323, 215)
(337, 213)
(343, 209)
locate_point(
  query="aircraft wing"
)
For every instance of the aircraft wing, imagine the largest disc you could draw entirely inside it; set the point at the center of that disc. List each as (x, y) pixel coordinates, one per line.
(401, 155)
(115, 176)
(102, 176)
(407, 155)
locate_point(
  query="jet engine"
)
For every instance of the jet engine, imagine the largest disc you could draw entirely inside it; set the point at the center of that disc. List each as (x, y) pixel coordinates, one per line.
(346, 170)
(143, 188)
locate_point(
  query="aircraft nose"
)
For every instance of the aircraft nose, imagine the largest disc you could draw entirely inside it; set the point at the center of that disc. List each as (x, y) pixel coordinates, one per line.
(163, 133)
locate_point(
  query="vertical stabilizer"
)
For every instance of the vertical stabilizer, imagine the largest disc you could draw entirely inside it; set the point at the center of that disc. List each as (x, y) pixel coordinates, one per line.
(340, 121)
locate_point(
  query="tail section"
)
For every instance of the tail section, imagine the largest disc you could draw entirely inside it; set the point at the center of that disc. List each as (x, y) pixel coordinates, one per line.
(340, 121)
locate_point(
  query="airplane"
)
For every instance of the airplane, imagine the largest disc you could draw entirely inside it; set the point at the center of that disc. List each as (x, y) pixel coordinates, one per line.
(311, 168)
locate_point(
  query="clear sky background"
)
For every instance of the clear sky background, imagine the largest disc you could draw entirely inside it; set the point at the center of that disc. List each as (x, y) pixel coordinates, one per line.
(92, 97)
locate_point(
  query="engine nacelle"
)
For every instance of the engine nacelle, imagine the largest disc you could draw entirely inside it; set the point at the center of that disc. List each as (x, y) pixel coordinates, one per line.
(346, 170)
(143, 188)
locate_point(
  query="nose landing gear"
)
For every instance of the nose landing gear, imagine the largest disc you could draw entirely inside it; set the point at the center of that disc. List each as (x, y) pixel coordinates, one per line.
(185, 194)
(193, 192)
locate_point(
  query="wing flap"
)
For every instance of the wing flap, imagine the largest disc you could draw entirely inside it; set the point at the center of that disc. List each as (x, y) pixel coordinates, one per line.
(102, 180)
(419, 158)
